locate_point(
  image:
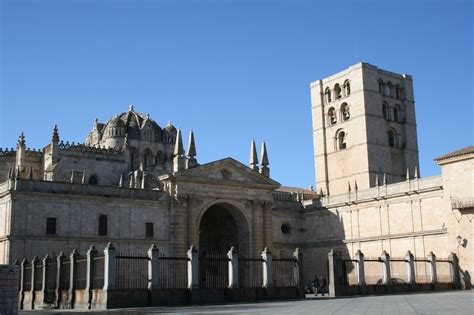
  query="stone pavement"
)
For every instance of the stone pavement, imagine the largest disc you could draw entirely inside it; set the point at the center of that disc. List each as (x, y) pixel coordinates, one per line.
(460, 302)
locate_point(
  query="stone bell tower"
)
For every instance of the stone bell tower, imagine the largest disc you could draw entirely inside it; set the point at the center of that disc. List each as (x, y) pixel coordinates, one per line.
(364, 129)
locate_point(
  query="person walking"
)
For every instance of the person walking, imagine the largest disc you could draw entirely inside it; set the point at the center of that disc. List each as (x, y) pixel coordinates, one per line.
(315, 285)
(322, 285)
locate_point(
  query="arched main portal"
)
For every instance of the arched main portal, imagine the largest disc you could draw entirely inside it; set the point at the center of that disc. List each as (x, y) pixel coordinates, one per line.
(221, 227)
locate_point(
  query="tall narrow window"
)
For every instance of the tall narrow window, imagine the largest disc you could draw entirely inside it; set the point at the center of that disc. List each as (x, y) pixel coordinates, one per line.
(398, 92)
(391, 138)
(332, 116)
(396, 113)
(102, 225)
(347, 88)
(341, 140)
(345, 112)
(327, 93)
(50, 226)
(149, 229)
(385, 111)
(381, 87)
(337, 91)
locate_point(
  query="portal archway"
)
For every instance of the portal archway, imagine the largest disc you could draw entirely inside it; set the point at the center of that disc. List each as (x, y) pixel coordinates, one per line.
(222, 226)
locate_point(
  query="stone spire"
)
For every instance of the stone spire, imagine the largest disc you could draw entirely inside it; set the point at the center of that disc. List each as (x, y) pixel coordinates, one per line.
(21, 153)
(265, 170)
(408, 173)
(191, 161)
(384, 182)
(179, 158)
(416, 175)
(253, 163)
(377, 182)
(55, 135)
(55, 145)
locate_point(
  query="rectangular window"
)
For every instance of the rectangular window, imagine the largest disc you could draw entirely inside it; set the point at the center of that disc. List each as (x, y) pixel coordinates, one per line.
(50, 226)
(148, 229)
(103, 225)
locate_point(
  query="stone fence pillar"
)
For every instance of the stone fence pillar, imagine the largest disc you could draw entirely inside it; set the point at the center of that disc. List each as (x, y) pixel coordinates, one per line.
(153, 267)
(72, 278)
(44, 278)
(233, 268)
(267, 266)
(23, 264)
(433, 274)
(59, 271)
(298, 271)
(91, 253)
(385, 258)
(453, 258)
(359, 256)
(109, 267)
(410, 259)
(193, 268)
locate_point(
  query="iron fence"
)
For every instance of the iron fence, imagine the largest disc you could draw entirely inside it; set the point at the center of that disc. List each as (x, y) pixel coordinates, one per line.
(348, 272)
(38, 277)
(80, 273)
(284, 272)
(399, 270)
(373, 271)
(213, 271)
(132, 271)
(27, 278)
(51, 272)
(65, 274)
(444, 271)
(250, 272)
(422, 271)
(173, 272)
(98, 272)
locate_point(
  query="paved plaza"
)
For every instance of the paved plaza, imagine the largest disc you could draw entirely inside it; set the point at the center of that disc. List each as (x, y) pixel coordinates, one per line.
(461, 302)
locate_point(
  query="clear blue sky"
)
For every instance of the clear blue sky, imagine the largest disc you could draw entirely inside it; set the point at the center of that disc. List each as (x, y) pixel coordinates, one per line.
(231, 70)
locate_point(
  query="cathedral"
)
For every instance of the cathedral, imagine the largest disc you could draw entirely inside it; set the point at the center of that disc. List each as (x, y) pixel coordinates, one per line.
(133, 182)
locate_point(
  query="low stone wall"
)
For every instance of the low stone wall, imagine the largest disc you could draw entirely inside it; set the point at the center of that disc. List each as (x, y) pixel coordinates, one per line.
(391, 289)
(9, 284)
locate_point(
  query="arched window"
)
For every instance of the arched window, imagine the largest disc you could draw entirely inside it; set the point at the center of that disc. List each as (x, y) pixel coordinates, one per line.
(332, 116)
(391, 139)
(385, 111)
(93, 180)
(345, 114)
(337, 91)
(341, 140)
(327, 93)
(147, 157)
(347, 88)
(396, 112)
(388, 89)
(159, 157)
(398, 92)
(103, 225)
(133, 159)
(381, 87)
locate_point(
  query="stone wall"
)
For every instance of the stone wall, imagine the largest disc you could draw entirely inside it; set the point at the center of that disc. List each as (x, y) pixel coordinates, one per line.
(9, 284)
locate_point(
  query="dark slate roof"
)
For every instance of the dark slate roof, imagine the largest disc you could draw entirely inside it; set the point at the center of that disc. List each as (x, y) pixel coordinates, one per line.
(460, 152)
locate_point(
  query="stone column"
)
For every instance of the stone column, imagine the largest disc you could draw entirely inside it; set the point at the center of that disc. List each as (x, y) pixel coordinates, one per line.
(267, 265)
(91, 253)
(34, 262)
(385, 258)
(298, 271)
(433, 274)
(332, 256)
(233, 268)
(153, 267)
(359, 256)
(44, 278)
(410, 268)
(72, 278)
(109, 267)
(455, 270)
(193, 270)
(59, 269)
(22, 282)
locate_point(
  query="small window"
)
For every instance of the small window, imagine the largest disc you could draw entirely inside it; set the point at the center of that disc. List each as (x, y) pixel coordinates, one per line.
(102, 225)
(345, 112)
(327, 93)
(398, 92)
(337, 91)
(147, 158)
(50, 226)
(381, 87)
(285, 228)
(395, 113)
(347, 88)
(148, 229)
(332, 116)
(341, 140)
(391, 138)
(93, 180)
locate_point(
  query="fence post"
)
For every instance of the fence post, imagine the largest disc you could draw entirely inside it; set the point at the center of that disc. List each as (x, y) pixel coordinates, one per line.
(433, 274)
(72, 278)
(34, 262)
(59, 269)
(233, 268)
(44, 279)
(193, 269)
(298, 271)
(410, 259)
(267, 265)
(331, 271)
(90, 256)
(385, 257)
(23, 263)
(153, 267)
(109, 267)
(359, 256)
(454, 266)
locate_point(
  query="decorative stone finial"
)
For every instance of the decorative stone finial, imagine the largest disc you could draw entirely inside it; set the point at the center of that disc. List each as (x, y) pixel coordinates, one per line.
(253, 163)
(408, 174)
(265, 170)
(21, 139)
(130, 108)
(384, 181)
(416, 175)
(191, 145)
(178, 147)
(121, 181)
(55, 136)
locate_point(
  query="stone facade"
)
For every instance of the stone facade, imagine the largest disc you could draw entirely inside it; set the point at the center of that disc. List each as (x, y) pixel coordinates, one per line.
(132, 183)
